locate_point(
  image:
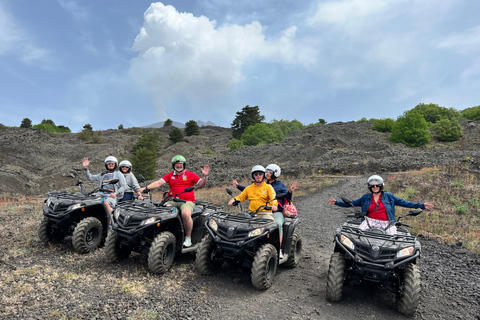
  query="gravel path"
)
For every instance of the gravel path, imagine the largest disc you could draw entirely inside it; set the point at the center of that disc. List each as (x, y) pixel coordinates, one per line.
(54, 282)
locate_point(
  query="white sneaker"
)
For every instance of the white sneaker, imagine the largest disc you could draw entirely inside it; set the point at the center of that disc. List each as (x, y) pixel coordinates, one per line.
(187, 242)
(281, 254)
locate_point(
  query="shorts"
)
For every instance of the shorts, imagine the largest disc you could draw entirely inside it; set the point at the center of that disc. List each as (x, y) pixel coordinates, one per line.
(111, 201)
(181, 205)
(378, 223)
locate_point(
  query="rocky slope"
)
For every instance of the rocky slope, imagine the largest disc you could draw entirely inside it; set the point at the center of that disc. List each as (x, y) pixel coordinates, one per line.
(35, 162)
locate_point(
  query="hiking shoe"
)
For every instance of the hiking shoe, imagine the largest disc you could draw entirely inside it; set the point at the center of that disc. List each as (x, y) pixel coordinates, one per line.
(281, 254)
(187, 242)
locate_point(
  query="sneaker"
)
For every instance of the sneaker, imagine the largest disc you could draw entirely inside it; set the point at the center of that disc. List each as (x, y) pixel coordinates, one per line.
(281, 254)
(187, 242)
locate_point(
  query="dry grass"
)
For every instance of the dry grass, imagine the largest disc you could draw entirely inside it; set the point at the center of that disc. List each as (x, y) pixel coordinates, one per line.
(455, 192)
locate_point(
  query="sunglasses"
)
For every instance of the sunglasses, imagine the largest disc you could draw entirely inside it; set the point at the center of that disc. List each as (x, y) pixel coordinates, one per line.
(258, 174)
(374, 185)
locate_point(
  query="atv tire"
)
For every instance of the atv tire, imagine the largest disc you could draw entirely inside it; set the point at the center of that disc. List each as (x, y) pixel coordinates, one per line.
(205, 252)
(264, 267)
(113, 250)
(410, 289)
(46, 234)
(336, 277)
(87, 235)
(162, 253)
(295, 251)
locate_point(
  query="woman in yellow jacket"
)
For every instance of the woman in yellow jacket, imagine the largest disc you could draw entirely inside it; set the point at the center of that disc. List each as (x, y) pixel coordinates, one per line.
(259, 193)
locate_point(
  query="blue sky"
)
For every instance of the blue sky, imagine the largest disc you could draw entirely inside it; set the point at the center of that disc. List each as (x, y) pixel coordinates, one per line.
(136, 62)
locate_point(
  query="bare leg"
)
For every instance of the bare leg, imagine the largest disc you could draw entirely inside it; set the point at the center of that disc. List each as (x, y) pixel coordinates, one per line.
(187, 222)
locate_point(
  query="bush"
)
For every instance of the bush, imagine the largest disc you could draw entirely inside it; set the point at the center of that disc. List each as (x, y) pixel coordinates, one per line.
(249, 116)
(447, 130)
(288, 126)
(88, 127)
(472, 113)
(167, 123)
(410, 129)
(363, 120)
(26, 123)
(90, 136)
(144, 161)
(434, 113)
(383, 125)
(262, 133)
(191, 128)
(63, 129)
(2, 126)
(120, 127)
(234, 144)
(175, 135)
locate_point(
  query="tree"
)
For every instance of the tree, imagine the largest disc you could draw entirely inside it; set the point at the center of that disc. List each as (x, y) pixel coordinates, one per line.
(249, 116)
(47, 121)
(144, 161)
(26, 123)
(63, 129)
(472, 113)
(168, 123)
(447, 130)
(191, 128)
(175, 135)
(433, 112)
(322, 121)
(88, 127)
(149, 141)
(410, 129)
(383, 125)
(120, 127)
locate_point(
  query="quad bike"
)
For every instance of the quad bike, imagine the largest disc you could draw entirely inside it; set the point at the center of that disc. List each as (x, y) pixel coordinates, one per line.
(246, 239)
(373, 256)
(150, 227)
(81, 215)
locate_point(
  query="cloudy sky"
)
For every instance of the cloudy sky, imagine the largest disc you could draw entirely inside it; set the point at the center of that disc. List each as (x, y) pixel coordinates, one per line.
(135, 63)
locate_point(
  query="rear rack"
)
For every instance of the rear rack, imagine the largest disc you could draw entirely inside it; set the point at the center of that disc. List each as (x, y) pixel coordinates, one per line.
(146, 207)
(209, 205)
(242, 218)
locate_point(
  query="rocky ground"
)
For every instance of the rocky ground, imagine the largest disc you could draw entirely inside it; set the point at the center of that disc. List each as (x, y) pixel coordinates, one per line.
(54, 282)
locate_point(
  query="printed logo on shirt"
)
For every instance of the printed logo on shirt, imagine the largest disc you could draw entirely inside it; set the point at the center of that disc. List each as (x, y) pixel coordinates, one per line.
(184, 178)
(264, 192)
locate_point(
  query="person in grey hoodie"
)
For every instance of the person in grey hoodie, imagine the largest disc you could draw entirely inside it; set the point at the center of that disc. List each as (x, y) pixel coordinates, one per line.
(115, 191)
(132, 182)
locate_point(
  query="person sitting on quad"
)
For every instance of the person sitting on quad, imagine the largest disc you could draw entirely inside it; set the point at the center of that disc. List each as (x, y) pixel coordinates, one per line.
(178, 180)
(273, 171)
(379, 206)
(132, 182)
(259, 193)
(114, 190)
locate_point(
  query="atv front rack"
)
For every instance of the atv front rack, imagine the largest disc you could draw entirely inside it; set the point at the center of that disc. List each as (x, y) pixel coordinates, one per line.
(244, 217)
(398, 237)
(209, 205)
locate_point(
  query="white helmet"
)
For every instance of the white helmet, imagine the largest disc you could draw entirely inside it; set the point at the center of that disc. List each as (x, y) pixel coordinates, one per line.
(258, 168)
(111, 159)
(126, 163)
(275, 170)
(377, 179)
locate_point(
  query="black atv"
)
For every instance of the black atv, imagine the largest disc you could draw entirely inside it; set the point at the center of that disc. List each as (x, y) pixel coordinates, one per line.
(248, 240)
(81, 215)
(150, 227)
(373, 256)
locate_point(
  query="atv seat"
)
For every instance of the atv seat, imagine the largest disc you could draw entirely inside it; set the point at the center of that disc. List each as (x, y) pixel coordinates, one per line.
(197, 211)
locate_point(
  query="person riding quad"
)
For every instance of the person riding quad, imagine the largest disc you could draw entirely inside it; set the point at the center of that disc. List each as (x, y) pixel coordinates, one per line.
(259, 193)
(132, 182)
(114, 191)
(178, 180)
(379, 206)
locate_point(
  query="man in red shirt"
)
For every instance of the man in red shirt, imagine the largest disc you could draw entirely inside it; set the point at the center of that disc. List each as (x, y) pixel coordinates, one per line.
(178, 180)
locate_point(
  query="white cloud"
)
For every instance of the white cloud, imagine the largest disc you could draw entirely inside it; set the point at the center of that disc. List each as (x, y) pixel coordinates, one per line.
(77, 11)
(181, 53)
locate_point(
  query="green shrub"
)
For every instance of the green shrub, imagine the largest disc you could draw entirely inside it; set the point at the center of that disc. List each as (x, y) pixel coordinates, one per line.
(362, 120)
(120, 127)
(26, 123)
(262, 133)
(135, 131)
(472, 113)
(434, 113)
(410, 129)
(249, 116)
(191, 128)
(144, 161)
(2, 126)
(90, 136)
(63, 128)
(167, 123)
(288, 126)
(447, 130)
(175, 135)
(383, 125)
(234, 144)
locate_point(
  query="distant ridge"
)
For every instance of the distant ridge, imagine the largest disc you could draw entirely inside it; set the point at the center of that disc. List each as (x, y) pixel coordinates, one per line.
(179, 124)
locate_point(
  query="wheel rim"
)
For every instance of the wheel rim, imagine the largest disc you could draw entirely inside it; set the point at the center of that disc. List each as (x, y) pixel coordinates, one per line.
(269, 268)
(167, 254)
(91, 236)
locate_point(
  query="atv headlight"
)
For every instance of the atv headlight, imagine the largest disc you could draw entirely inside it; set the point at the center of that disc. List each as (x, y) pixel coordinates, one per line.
(48, 202)
(256, 232)
(148, 221)
(346, 241)
(74, 206)
(213, 224)
(116, 214)
(405, 252)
